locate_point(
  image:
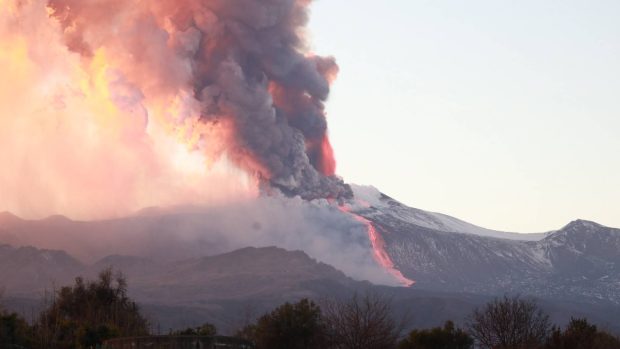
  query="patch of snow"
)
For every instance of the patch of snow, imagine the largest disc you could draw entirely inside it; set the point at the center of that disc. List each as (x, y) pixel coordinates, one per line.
(540, 256)
(367, 195)
(370, 196)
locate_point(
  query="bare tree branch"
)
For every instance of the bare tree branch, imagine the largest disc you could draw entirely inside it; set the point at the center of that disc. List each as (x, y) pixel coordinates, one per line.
(510, 323)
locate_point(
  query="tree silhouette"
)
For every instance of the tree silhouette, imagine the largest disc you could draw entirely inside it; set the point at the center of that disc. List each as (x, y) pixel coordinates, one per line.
(510, 323)
(446, 337)
(580, 334)
(290, 326)
(362, 322)
(206, 329)
(14, 331)
(87, 313)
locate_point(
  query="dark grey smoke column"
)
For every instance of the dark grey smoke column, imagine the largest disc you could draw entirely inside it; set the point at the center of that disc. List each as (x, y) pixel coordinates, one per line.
(250, 70)
(250, 67)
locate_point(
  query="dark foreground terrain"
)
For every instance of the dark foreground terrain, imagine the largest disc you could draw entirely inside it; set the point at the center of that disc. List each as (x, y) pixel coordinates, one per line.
(231, 289)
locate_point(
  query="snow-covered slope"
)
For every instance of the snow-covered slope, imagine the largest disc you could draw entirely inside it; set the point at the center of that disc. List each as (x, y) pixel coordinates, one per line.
(432, 220)
(441, 253)
(579, 261)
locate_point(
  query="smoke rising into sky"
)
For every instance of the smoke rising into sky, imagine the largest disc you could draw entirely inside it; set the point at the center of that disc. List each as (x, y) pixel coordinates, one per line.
(179, 233)
(110, 106)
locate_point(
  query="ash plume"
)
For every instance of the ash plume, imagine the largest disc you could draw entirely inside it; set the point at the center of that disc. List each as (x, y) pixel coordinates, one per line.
(246, 67)
(111, 106)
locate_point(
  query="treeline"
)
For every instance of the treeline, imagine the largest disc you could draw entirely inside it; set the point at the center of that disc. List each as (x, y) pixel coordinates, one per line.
(366, 322)
(79, 316)
(87, 313)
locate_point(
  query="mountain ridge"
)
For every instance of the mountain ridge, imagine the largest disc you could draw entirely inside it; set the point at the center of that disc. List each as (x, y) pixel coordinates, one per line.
(579, 261)
(176, 260)
(226, 291)
(433, 220)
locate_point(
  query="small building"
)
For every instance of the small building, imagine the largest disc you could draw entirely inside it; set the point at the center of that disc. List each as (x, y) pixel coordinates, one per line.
(178, 342)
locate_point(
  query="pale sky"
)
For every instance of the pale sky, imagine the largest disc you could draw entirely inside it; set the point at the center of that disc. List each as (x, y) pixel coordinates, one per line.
(503, 113)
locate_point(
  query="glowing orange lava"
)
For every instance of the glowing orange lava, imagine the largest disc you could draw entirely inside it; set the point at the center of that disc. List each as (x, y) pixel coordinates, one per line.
(327, 165)
(107, 107)
(378, 246)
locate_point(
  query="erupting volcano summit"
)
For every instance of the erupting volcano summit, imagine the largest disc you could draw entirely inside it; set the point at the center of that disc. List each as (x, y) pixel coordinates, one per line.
(240, 68)
(124, 93)
(232, 80)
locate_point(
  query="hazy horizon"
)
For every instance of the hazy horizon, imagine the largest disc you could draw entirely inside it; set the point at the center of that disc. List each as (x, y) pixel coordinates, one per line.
(501, 114)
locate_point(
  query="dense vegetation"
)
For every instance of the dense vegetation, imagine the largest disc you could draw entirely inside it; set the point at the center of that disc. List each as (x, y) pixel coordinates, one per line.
(79, 316)
(290, 326)
(446, 337)
(366, 323)
(87, 313)
(360, 322)
(206, 329)
(15, 332)
(579, 334)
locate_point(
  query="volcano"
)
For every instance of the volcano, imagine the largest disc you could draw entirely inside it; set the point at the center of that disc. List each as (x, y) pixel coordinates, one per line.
(576, 262)
(179, 262)
(213, 114)
(580, 261)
